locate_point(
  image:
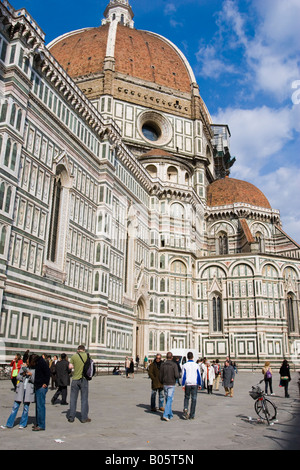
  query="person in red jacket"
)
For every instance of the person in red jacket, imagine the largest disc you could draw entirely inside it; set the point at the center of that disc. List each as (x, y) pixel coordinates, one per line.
(16, 365)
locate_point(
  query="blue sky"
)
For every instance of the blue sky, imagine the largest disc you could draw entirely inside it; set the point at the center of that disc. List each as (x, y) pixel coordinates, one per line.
(245, 55)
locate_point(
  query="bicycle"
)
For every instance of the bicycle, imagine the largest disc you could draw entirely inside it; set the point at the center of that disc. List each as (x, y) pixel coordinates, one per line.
(5, 371)
(264, 408)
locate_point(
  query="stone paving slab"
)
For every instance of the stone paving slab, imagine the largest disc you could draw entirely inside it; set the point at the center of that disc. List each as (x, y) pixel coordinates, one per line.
(122, 420)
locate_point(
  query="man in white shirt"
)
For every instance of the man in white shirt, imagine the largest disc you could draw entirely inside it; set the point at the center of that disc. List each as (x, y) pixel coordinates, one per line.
(191, 382)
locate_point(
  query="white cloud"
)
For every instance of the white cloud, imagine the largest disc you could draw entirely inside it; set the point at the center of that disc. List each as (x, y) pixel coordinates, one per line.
(269, 53)
(257, 135)
(259, 141)
(170, 8)
(211, 65)
(282, 188)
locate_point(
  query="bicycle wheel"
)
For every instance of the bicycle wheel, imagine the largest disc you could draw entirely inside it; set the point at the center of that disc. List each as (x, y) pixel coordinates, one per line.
(265, 409)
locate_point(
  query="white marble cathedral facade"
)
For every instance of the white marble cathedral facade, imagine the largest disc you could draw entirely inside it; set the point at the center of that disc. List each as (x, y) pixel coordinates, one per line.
(114, 230)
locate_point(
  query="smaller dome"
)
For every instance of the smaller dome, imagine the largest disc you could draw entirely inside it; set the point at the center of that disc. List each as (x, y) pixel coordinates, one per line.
(227, 191)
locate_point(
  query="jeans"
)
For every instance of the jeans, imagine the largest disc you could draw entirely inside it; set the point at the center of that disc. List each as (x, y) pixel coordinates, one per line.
(40, 407)
(24, 418)
(169, 395)
(160, 393)
(81, 386)
(268, 381)
(190, 392)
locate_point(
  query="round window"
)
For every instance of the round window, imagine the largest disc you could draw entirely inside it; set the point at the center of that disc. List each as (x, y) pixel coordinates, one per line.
(154, 127)
(151, 132)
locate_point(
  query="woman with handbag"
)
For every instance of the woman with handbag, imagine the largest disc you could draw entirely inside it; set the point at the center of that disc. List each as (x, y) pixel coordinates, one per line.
(285, 377)
(267, 372)
(16, 365)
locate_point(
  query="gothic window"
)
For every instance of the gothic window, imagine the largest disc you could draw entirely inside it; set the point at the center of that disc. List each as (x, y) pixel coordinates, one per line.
(162, 306)
(58, 229)
(3, 112)
(2, 192)
(162, 342)
(151, 340)
(291, 313)
(96, 282)
(216, 314)
(2, 239)
(8, 199)
(260, 240)
(13, 115)
(223, 244)
(7, 152)
(52, 247)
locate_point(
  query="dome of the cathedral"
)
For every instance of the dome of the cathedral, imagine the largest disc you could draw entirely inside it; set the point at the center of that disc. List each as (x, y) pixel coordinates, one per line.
(227, 191)
(140, 54)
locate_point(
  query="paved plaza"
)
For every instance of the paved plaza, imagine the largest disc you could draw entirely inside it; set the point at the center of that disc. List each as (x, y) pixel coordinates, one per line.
(122, 420)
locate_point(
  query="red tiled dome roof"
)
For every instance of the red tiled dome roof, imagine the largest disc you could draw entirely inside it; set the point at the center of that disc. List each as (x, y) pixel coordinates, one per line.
(137, 53)
(228, 191)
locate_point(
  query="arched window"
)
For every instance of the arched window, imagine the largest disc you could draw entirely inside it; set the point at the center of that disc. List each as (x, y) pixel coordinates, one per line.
(98, 252)
(2, 240)
(162, 262)
(260, 240)
(151, 340)
(152, 170)
(94, 329)
(216, 314)
(223, 244)
(3, 112)
(172, 174)
(291, 313)
(96, 282)
(8, 199)
(13, 157)
(2, 191)
(162, 342)
(7, 152)
(162, 306)
(177, 211)
(13, 115)
(19, 120)
(54, 219)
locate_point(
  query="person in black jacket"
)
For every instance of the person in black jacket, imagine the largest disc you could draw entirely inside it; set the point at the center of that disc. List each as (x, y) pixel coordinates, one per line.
(41, 383)
(62, 372)
(285, 377)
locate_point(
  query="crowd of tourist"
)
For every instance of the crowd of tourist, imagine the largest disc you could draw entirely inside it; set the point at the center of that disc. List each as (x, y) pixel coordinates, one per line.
(32, 375)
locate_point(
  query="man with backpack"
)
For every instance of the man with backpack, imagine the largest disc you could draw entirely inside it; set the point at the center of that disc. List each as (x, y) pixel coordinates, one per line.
(79, 384)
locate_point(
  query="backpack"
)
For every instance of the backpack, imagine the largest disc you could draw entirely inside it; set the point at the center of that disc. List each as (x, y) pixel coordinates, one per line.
(88, 368)
(268, 374)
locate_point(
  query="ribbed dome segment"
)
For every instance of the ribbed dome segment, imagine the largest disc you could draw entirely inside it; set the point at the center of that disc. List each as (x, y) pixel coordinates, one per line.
(229, 191)
(140, 54)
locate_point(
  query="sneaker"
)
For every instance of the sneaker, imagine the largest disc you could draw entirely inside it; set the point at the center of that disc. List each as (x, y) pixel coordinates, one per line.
(87, 420)
(185, 414)
(3, 427)
(22, 427)
(165, 418)
(71, 420)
